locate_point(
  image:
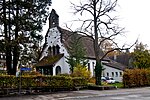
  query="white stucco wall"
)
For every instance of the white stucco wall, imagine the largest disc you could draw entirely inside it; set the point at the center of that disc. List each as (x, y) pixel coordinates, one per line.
(107, 69)
(92, 64)
(111, 70)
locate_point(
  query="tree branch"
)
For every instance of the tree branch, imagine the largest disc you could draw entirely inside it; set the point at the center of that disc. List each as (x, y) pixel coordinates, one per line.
(118, 49)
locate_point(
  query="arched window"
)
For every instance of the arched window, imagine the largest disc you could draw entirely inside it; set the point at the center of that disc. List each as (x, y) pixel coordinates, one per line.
(57, 49)
(58, 70)
(49, 51)
(53, 50)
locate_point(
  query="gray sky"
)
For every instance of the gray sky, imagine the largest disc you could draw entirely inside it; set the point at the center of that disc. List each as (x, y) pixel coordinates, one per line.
(134, 16)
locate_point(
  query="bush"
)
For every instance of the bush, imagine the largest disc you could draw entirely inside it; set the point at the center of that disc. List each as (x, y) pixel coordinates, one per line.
(136, 77)
(8, 81)
(92, 80)
(29, 73)
(53, 82)
(80, 71)
(79, 81)
(3, 72)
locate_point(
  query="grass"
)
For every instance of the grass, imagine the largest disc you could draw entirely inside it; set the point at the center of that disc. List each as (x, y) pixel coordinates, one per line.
(118, 85)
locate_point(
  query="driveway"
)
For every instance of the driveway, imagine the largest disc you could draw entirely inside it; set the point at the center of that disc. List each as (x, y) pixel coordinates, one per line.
(119, 94)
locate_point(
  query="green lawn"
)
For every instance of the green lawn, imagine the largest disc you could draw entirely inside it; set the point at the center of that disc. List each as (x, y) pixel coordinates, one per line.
(119, 85)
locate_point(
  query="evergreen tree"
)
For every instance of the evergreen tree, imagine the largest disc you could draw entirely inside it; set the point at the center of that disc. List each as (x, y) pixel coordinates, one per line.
(141, 56)
(21, 21)
(76, 51)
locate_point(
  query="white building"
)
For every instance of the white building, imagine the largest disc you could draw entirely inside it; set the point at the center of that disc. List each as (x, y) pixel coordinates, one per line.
(54, 52)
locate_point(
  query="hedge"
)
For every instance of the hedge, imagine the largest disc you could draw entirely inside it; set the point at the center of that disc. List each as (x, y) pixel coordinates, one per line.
(136, 77)
(54, 82)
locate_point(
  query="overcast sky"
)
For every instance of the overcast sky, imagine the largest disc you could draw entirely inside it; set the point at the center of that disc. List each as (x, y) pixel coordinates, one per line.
(134, 16)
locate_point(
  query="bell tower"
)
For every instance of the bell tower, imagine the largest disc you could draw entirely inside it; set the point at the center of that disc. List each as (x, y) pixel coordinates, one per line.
(53, 19)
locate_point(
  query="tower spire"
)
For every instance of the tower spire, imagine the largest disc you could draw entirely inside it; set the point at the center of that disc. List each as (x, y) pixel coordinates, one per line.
(53, 19)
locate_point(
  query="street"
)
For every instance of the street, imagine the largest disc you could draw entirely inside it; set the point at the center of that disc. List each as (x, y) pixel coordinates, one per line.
(119, 94)
(136, 96)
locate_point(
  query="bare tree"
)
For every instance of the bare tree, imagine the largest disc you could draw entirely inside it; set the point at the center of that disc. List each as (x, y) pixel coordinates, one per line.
(100, 27)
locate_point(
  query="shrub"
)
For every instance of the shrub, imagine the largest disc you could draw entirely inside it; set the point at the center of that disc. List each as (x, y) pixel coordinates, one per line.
(92, 80)
(3, 72)
(8, 81)
(79, 81)
(136, 77)
(29, 73)
(80, 71)
(53, 82)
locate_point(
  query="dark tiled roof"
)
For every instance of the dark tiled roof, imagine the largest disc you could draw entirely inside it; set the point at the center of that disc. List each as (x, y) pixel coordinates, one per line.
(122, 58)
(115, 65)
(87, 42)
(49, 60)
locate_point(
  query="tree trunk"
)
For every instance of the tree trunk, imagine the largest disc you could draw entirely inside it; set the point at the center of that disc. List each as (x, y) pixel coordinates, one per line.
(98, 67)
(7, 42)
(15, 49)
(98, 72)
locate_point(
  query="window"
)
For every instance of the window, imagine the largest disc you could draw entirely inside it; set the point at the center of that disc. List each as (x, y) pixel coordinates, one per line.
(57, 49)
(49, 51)
(107, 74)
(53, 50)
(116, 74)
(58, 70)
(93, 69)
(112, 74)
(93, 64)
(88, 66)
(120, 74)
(4, 57)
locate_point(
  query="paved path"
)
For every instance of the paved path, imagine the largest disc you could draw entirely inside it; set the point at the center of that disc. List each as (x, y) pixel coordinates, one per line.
(119, 94)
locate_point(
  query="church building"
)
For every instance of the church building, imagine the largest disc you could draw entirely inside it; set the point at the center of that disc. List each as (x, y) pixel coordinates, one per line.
(55, 50)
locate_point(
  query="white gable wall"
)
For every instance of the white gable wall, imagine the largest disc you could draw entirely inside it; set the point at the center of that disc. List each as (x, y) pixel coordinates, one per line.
(64, 66)
(53, 39)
